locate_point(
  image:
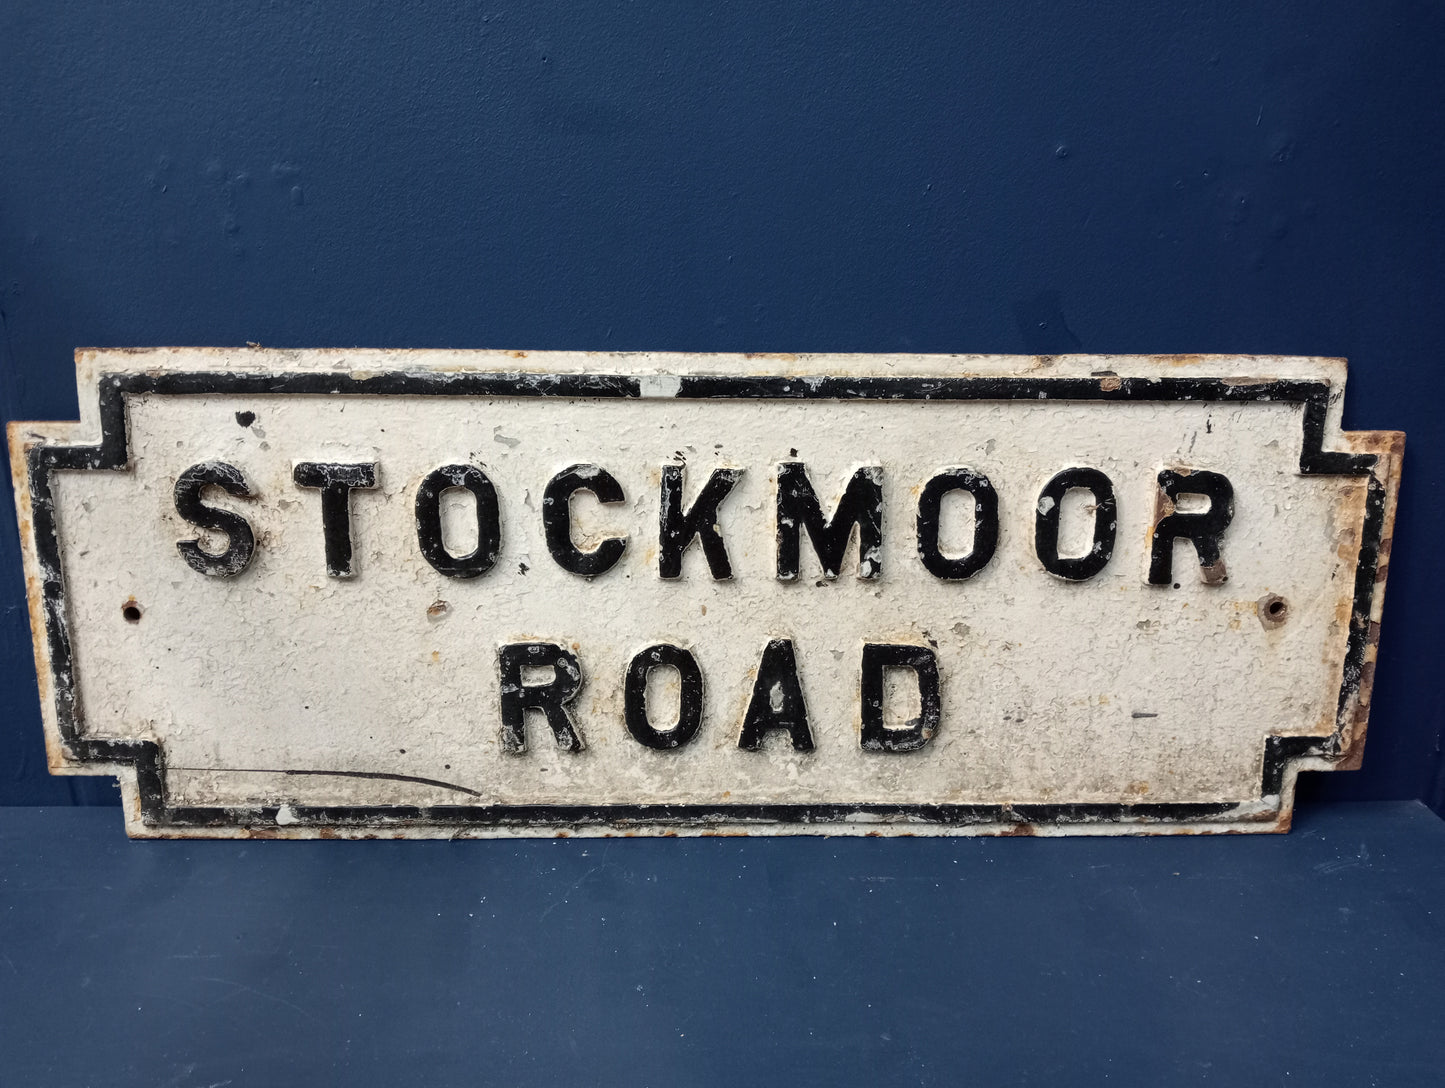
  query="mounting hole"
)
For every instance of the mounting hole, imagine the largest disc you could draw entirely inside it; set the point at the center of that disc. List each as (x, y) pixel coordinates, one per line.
(131, 611)
(1273, 610)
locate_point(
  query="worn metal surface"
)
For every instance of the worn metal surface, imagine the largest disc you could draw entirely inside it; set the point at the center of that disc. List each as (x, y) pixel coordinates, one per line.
(346, 593)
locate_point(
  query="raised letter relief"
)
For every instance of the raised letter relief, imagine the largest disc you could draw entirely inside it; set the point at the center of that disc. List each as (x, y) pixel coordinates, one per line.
(358, 593)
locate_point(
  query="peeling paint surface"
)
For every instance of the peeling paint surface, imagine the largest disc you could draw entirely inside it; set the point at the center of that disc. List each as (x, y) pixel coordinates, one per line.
(286, 701)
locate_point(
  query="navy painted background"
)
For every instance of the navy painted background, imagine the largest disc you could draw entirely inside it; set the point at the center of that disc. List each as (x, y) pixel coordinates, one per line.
(933, 177)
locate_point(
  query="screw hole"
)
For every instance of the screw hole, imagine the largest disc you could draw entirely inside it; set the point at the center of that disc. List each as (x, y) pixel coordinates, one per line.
(1273, 610)
(131, 611)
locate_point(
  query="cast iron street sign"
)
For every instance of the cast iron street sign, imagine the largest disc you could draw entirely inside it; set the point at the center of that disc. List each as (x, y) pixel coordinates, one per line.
(347, 593)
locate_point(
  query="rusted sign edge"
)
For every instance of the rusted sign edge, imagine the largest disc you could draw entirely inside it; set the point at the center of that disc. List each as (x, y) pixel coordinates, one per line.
(140, 764)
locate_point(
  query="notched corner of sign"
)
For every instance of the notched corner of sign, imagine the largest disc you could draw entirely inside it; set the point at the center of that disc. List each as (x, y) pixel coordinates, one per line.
(139, 824)
(1274, 820)
(20, 438)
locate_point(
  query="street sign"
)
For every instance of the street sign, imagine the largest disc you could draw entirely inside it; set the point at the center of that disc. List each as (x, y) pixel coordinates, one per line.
(437, 593)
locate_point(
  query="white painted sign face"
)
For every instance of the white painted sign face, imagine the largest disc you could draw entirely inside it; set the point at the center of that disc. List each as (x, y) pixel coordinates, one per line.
(348, 593)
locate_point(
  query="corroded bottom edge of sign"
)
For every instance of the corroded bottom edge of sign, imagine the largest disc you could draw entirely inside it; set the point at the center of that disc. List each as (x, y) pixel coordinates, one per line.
(139, 768)
(148, 815)
(141, 764)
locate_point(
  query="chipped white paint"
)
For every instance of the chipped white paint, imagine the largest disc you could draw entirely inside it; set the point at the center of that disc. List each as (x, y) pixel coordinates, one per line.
(382, 689)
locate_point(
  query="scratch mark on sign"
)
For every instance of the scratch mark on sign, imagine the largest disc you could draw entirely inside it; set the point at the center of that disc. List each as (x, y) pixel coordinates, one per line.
(342, 774)
(394, 778)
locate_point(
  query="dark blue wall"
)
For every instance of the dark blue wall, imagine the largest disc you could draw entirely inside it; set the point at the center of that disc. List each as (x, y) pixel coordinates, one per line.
(934, 177)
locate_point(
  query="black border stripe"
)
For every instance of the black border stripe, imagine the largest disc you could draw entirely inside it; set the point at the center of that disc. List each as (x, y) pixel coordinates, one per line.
(149, 759)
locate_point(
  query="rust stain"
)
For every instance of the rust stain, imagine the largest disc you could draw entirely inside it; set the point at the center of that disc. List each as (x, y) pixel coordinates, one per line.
(55, 756)
(1214, 574)
(37, 610)
(1344, 613)
(1352, 758)
(1163, 507)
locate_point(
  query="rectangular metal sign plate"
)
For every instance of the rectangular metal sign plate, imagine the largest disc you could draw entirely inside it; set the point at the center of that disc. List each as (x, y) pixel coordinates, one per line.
(393, 593)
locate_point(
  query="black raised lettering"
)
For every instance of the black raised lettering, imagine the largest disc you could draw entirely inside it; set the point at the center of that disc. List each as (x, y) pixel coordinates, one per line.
(557, 519)
(689, 711)
(550, 696)
(678, 529)
(1204, 530)
(1106, 524)
(985, 523)
(429, 521)
(876, 736)
(777, 701)
(336, 482)
(861, 505)
(240, 540)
